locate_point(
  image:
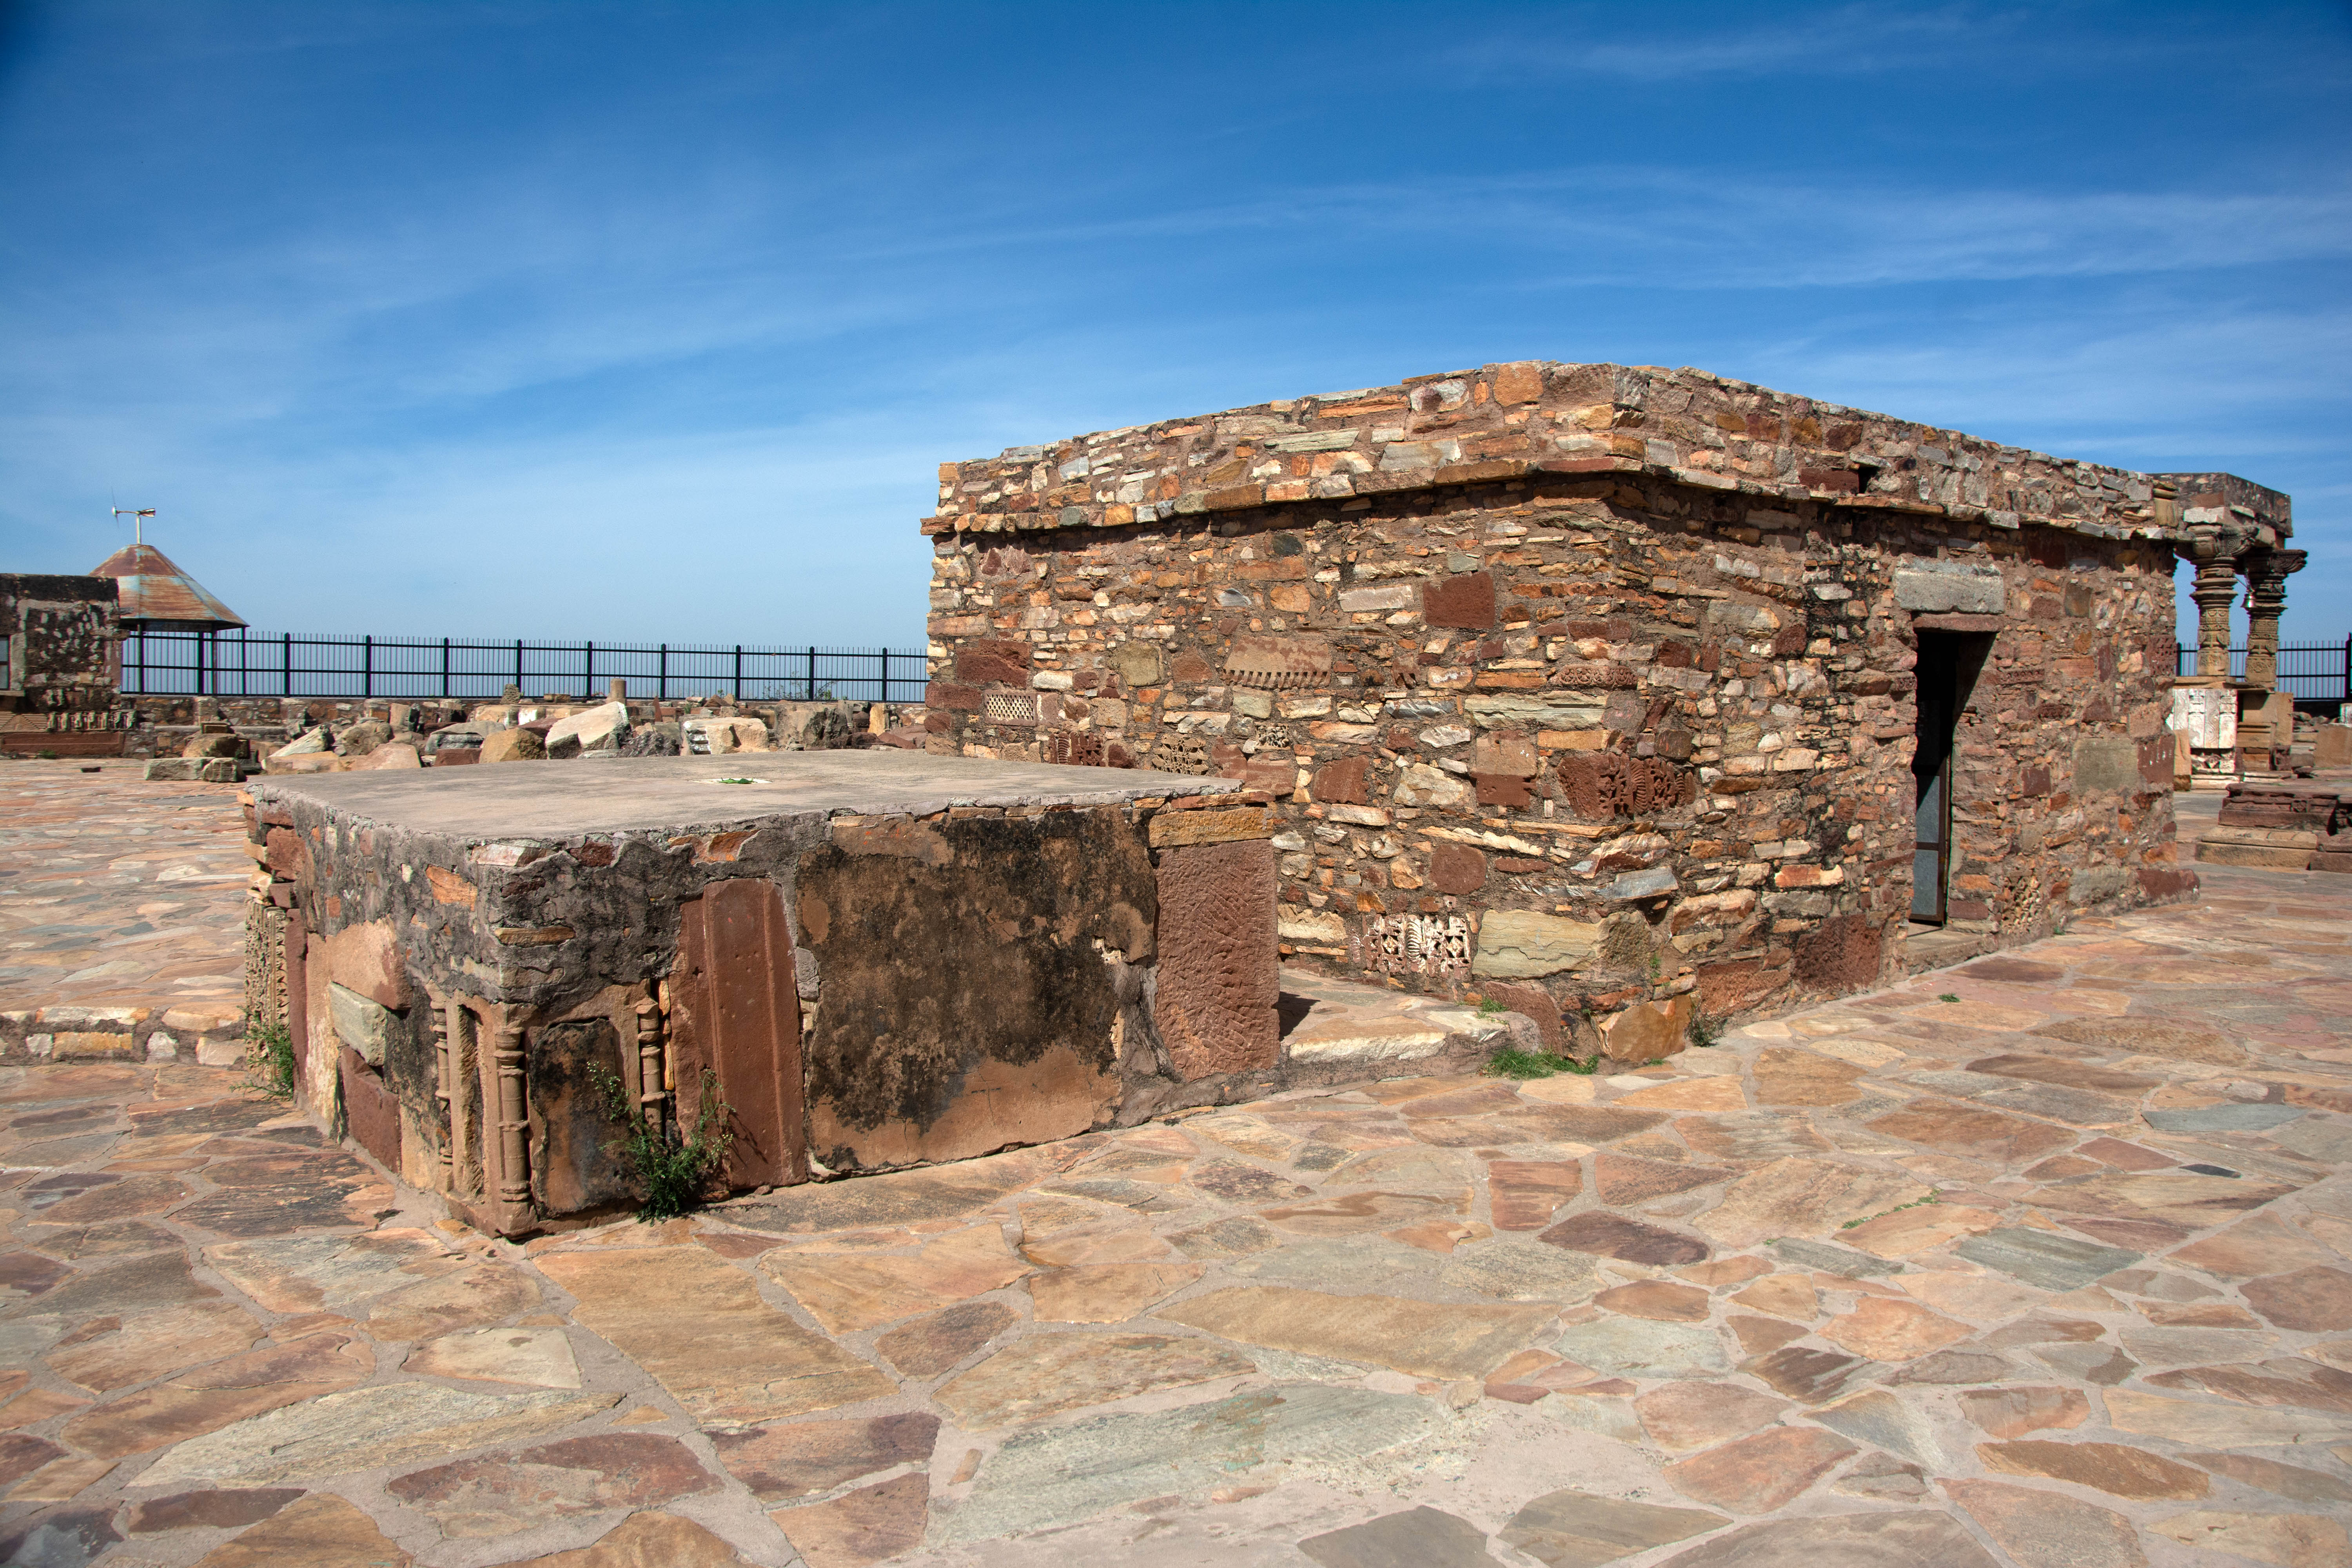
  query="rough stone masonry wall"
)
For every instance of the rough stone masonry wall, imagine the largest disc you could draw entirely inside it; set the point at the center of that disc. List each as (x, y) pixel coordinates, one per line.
(1583, 686)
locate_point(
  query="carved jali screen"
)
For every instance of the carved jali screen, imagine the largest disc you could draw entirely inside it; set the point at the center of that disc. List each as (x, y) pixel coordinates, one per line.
(1413, 944)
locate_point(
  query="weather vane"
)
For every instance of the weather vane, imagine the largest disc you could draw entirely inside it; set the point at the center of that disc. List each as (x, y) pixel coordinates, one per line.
(137, 516)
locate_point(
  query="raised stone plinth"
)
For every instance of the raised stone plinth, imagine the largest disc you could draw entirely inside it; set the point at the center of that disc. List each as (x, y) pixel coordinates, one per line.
(2281, 827)
(873, 958)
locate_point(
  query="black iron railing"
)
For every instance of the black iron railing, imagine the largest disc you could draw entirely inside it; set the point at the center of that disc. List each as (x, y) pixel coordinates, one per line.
(2308, 672)
(291, 663)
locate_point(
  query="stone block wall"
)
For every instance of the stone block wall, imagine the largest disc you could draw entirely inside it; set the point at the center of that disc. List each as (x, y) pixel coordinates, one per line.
(1585, 688)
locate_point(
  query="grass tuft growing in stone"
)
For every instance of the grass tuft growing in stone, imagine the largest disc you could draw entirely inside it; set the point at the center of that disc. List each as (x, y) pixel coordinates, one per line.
(270, 1049)
(671, 1169)
(1510, 1062)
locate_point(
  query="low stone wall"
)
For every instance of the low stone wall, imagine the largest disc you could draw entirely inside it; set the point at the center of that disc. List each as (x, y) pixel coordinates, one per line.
(1589, 688)
(213, 1036)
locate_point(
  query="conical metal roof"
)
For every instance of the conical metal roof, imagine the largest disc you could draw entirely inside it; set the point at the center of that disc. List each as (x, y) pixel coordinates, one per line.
(154, 593)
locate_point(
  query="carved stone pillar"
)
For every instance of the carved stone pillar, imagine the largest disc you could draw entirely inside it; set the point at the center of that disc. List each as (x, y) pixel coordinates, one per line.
(444, 1081)
(462, 1032)
(506, 1143)
(2216, 588)
(653, 1063)
(2266, 574)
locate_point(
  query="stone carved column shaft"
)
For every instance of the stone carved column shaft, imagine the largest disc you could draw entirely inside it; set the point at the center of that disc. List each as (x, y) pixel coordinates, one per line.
(514, 1123)
(2216, 587)
(467, 1156)
(445, 1080)
(2266, 574)
(652, 1071)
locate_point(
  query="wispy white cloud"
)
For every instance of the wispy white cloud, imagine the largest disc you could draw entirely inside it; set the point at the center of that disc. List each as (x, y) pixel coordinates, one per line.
(1657, 45)
(1677, 229)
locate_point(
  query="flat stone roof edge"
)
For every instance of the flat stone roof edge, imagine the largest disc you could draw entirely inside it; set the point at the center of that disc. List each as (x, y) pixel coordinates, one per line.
(1531, 417)
(559, 800)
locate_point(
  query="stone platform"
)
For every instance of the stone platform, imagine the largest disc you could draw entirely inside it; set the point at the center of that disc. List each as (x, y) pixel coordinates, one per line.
(2291, 826)
(875, 958)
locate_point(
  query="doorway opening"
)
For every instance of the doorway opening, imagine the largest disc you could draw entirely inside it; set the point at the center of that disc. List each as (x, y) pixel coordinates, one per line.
(1946, 671)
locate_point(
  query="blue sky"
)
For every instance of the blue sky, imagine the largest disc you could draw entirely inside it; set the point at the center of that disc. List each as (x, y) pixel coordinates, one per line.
(653, 322)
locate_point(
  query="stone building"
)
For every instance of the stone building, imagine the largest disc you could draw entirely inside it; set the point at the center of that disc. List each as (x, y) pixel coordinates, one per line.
(1620, 695)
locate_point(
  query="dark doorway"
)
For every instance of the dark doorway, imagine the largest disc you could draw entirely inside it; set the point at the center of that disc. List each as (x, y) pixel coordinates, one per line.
(1948, 663)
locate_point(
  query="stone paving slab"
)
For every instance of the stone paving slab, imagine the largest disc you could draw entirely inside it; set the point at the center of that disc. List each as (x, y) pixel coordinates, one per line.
(121, 912)
(2041, 1259)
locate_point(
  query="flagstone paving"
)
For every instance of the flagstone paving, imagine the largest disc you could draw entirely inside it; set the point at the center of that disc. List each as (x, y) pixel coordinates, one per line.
(122, 897)
(2041, 1261)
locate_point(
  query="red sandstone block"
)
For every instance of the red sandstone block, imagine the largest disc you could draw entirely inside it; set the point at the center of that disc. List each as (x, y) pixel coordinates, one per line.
(1842, 953)
(1276, 774)
(993, 664)
(289, 856)
(366, 959)
(1457, 869)
(1340, 782)
(1218, 985)
(1740, 985)
(955, 697)
(1467, 601)
(370, 1111)
(1501, 789)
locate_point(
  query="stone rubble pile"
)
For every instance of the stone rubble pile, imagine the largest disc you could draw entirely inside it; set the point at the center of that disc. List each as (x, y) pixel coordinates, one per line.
(330, 737)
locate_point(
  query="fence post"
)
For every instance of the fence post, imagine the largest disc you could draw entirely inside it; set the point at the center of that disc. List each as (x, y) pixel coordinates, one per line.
(367, 668)
(811, 675)
(518, 665)
(142, 661)
(661, 679)
(738, 672)
(285, 664)
(2348, 669)
(588, 673)
(444, 669)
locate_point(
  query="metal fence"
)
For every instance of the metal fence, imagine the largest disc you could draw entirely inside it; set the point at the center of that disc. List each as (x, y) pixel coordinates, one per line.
(2309, 672)
(291, 664)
